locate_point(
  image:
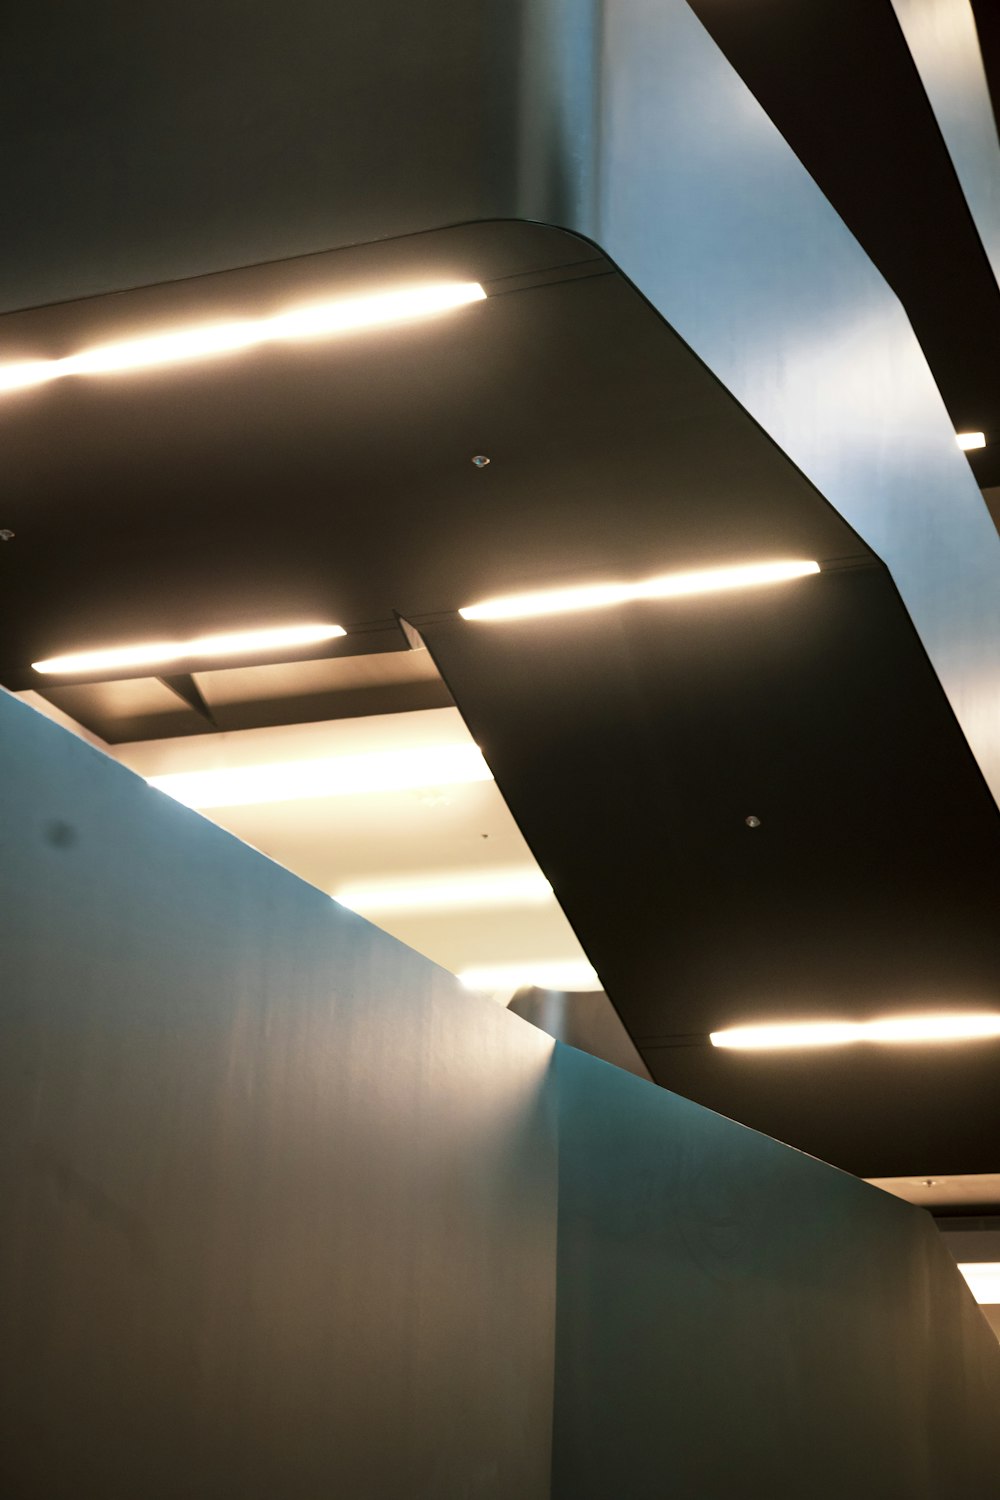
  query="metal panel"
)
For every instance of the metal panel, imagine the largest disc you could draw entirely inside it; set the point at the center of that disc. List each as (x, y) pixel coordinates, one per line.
(702, 203)
(735, 1319)
(941, 35)
(632, 746)
(278, 1196)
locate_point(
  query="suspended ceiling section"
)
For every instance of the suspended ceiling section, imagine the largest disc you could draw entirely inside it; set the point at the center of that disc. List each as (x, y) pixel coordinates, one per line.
(335, 480)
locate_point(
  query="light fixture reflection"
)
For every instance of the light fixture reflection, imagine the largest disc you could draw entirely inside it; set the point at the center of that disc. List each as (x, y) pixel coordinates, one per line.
(569, 974)
(667, 586)
(967, 441)
(939, 1028)
(983, 1278)
(163, 653)
(337, 776)
(318, 320)
(449, 893)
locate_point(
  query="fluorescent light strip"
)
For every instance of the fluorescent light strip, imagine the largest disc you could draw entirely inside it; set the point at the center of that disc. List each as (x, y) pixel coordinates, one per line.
(449, 893)
(969, 440)
(668, 586)
(162, 653)
(940, 1028)
(320, 320)
(569, 974)
(338, 776)
(983, 1278)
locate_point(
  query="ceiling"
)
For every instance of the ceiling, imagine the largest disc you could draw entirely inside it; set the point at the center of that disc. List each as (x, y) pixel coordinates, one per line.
(336, 481)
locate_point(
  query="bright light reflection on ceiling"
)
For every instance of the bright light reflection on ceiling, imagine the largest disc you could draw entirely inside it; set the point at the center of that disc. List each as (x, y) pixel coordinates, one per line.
(163, 653)
(337, 776)
(477, 888)
(319, 320)
(570, 974)
(667, 586)
(983, 1278)
(930, 1028)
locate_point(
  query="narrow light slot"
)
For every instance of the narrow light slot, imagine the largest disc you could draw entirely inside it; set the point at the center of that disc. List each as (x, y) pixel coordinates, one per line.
(204, 341)
(940, 1028)
(967, 441)
(983, 1278)
(162, 653)
(337, 776)
(569, 974)
(473, 889)
(667, 586)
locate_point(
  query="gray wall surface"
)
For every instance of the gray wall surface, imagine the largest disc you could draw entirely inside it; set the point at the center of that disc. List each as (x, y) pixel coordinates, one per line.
(286, 1213)
(737, 1321)
(278, 1196)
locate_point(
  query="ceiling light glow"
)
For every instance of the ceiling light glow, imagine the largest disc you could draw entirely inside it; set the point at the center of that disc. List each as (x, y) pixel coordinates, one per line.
(448, 893)
(318, 320)
(969, 440)
(163, 653)
(667, 586)
(337, 776)
(568, 974)
(939, 1028)
(983, 1278)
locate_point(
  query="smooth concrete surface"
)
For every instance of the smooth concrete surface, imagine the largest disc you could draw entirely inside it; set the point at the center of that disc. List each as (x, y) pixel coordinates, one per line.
(278, 1195)
(288, 1213)
(736, 1319)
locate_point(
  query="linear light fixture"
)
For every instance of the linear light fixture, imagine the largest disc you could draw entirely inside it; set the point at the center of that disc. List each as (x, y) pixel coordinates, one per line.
(203, 341)
(969, 440)
(163, 653)
(983, 1278)
(667, 586)
(568, 974)
(337, 776)
(448, 893)
(931, 1028)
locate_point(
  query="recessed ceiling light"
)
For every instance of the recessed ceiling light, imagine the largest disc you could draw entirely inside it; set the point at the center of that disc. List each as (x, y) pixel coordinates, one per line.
(983, 1278)
(569, 974)
(163, 653)
(937, 1028)
(969, 440)
(667, 586)
(318, 320)
(337, 776)
(434, 892)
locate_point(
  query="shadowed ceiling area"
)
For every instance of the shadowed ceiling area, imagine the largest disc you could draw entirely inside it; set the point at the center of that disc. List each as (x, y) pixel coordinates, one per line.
(335, 480)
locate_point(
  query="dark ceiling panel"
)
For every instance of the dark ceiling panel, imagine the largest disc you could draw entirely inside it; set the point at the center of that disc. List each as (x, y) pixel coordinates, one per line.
(335, 479)
(837, 79)
(632, 745)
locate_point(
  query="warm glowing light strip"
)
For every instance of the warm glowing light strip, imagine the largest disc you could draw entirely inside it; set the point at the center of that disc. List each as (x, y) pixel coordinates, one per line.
(162, 653)
(338, 776)
(318, 320)
(983, 1278)
(668, 586)
(969, 440)
(570, 974)
(939, 1028)
(449, 893)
